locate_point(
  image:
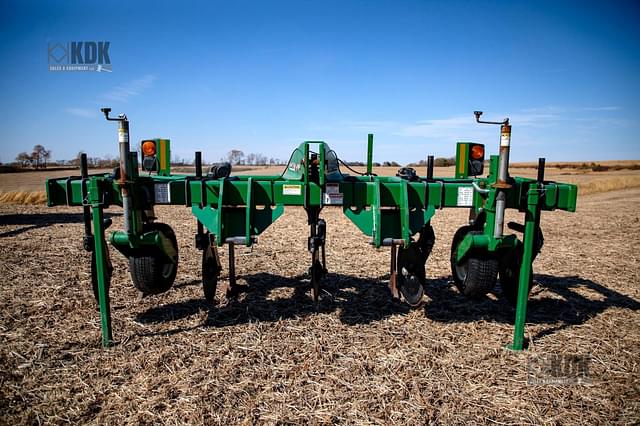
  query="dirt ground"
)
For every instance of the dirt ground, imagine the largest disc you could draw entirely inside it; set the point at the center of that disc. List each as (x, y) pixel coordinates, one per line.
(361, 357)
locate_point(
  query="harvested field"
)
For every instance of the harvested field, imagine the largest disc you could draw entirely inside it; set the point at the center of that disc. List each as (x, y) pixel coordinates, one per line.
(270, 357)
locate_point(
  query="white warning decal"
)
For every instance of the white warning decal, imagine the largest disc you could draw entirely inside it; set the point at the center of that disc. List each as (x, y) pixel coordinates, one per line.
(162, 193)
(332, 196)
(465, 196)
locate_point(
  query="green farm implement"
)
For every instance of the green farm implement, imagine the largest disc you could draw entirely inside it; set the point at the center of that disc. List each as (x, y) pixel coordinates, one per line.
(394, 211)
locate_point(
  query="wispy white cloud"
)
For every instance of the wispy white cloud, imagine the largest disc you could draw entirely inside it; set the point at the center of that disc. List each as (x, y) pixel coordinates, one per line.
(444, 128)
(371, 125)
(132, 88)
(546, 109)
(356, 125)
(539, 131)
(604, 108)
(448, 128)
(465, 127)
(82, 112)
(536, 119)
(535, 130)
(119, 93)
(557, 109)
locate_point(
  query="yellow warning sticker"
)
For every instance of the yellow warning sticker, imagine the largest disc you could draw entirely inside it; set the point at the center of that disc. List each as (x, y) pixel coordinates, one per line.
(291, 189)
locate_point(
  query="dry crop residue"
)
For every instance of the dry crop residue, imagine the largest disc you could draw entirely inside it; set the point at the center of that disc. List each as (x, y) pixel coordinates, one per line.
(269, 357)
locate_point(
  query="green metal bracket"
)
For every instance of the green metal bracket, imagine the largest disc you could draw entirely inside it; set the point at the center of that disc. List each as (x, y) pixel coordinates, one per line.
(137, 244)
(532, 219)
(247, 220)
(404, 213)
(95, 199)
(376, 214)
(164, 157)
(462, 160)
(370, 154)
(484, 242)
(248, 211)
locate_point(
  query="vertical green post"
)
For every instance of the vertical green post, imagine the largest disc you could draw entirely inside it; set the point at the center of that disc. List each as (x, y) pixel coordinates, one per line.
(248, 210)
(135, 212)
(321, 165)
(306, 163)
(405, 230)
(377, 213)
(164, 157)
(462, 160)
(220, 212)
(370, 154)
(100, 251)
(307, 167)
(531, 221)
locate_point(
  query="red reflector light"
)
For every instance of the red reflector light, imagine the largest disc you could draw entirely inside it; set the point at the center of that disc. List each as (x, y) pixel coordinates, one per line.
(477, 152)
(149, 148)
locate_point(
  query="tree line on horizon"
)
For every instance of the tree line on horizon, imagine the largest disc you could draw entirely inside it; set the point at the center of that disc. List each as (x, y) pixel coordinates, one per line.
(39, 157)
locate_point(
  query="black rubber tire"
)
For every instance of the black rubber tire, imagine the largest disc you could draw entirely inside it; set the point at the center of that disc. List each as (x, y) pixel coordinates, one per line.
(510, 267)
(477, 274)
(481, 277)
(153, 274)
(94, 276)
(510, 276)
(457, 238)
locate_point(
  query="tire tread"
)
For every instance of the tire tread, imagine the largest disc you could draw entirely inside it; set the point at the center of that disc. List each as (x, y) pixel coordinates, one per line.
(146, 271)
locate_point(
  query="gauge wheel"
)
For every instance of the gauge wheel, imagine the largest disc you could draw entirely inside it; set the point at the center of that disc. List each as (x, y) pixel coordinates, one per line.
(153, 273)
(476, 274)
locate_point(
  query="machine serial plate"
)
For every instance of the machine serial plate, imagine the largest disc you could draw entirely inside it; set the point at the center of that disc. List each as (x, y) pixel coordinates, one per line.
(162, 193)
(465, 196)
(332, 196)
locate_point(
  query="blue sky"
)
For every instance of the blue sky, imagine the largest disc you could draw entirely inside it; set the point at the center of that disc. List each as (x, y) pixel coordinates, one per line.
(264, 76)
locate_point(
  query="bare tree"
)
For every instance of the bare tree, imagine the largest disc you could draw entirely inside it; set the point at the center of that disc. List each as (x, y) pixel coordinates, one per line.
(46, 154)
(23, 158)
(261, 159)
(235, 156)
(76, 161)
(37, 154)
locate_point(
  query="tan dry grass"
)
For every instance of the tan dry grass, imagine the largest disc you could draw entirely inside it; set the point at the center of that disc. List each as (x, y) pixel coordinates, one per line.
(608, 184)
(578, 164)
(35, 180)
(23, 197)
